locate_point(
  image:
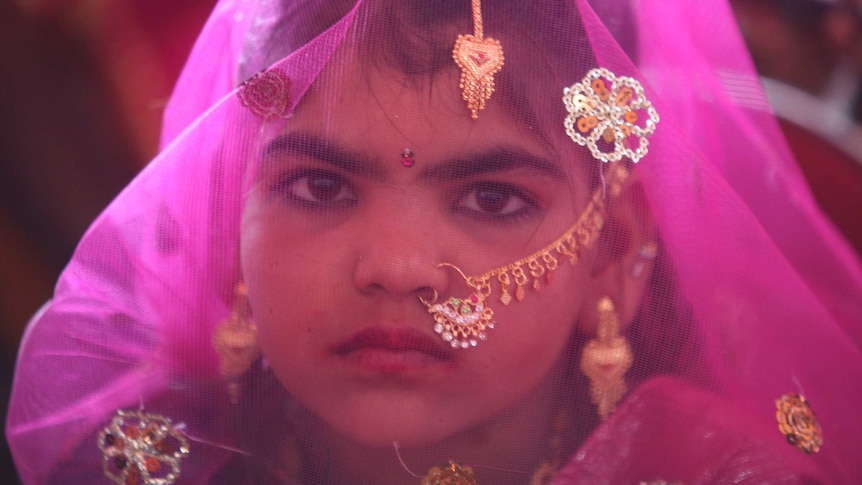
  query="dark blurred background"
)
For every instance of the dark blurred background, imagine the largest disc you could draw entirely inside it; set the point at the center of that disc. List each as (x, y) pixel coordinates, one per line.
(809, 53)
(83, 84)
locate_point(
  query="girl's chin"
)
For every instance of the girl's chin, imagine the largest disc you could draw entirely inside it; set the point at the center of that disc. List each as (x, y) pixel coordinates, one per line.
(378, 417)
(383, 434)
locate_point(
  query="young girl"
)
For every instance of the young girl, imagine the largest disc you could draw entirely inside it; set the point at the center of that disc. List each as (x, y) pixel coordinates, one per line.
(500, 242)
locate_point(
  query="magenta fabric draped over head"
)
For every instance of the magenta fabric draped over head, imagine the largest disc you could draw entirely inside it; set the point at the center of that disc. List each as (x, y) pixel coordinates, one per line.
(753, 294)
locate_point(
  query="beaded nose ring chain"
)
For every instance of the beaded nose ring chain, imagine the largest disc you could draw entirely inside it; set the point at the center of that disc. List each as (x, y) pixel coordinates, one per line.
(464, 322)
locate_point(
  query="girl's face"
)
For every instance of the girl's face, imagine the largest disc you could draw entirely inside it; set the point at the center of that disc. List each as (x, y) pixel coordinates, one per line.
(339, 240)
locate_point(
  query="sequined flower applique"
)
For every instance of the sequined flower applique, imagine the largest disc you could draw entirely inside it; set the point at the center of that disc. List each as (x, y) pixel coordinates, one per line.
(451, 474)
(267, 94)
(610, 115)
(797, 422)
(141, 448)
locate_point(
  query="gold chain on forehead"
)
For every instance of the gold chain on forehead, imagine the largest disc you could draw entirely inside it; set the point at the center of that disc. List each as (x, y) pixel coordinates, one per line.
(479, 59)
(477, 18)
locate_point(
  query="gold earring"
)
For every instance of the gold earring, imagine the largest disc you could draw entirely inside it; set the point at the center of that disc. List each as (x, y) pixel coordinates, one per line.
(235, 340)
(606, 359)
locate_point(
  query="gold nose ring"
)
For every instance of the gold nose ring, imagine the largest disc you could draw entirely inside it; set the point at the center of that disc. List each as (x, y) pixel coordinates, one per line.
(462, 322)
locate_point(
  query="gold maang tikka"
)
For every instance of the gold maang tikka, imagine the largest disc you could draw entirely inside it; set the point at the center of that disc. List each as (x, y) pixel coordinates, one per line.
(479, 59)
(463, 322)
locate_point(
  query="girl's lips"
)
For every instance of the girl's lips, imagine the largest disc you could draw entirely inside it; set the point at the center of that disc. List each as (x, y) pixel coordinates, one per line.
(394, 349)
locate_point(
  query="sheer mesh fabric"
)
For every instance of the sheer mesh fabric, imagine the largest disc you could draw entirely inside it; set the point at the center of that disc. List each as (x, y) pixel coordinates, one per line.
(750, 294)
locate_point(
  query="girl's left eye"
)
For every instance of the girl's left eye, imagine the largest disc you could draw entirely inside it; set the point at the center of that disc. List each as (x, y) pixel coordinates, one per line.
(496, 201)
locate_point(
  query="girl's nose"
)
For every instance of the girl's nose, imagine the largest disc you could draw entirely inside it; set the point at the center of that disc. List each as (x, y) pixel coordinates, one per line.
(398, 254)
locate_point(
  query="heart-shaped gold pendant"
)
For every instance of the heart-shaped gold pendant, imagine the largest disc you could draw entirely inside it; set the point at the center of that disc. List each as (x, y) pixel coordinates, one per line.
(479, 59)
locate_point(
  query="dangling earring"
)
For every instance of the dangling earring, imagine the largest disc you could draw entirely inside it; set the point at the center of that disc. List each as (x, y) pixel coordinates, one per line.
(606, 359)
(235, 340)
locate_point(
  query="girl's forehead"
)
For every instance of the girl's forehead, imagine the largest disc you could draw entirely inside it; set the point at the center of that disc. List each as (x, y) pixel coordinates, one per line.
(381, 111)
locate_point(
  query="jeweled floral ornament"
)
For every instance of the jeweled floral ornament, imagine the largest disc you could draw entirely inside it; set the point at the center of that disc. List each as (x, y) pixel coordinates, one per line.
(141, 448)
(610, 115)
(479, 59)
(797, 422)
(464, 322)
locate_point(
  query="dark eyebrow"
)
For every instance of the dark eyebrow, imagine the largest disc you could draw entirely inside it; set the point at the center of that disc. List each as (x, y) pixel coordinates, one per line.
(321, 149)
(498, 159)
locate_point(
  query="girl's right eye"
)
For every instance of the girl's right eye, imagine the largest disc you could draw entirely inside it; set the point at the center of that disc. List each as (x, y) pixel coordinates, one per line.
(317, 189)
(496, 202)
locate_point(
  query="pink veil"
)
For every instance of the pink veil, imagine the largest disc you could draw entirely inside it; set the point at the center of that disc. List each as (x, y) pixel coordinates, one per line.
(772, 293)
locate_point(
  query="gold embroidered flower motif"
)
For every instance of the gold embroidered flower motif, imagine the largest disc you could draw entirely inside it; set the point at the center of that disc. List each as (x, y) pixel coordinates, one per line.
(142, 449)
(797, 423)
(451, 474)
(610, 115)
(267, 94)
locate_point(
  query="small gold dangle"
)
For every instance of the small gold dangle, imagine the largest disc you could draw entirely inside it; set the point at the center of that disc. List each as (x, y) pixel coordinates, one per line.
(479, 59)
(505, 297)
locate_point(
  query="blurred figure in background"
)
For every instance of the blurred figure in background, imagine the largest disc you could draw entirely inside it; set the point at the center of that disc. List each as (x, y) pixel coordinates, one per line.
(809, 53)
